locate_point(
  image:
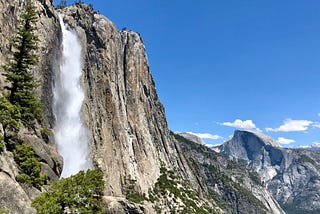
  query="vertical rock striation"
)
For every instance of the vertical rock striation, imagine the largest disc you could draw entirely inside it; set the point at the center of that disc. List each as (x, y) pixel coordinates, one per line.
(122, 108)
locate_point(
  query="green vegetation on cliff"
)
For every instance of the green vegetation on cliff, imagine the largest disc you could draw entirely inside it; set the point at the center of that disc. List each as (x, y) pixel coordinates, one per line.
(29, 165)
(217, 173)
(172, 189)
(9, 115)
(292, 209)
(80, 193)
(130, 192)
(20, 103)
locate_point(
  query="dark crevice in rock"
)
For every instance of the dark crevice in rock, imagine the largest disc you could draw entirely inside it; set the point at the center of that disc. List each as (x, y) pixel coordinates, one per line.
(7, 173)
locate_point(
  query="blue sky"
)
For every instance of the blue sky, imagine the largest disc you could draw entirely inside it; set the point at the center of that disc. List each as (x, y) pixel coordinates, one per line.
(226, 65)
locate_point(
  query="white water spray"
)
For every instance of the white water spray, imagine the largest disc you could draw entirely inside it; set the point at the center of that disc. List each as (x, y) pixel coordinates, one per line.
(71, 136)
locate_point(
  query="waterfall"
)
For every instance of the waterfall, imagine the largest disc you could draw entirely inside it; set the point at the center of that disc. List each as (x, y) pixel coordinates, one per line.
(71, 137)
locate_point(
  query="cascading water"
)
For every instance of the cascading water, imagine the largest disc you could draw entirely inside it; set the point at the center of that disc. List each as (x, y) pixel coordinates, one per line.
(71, 136)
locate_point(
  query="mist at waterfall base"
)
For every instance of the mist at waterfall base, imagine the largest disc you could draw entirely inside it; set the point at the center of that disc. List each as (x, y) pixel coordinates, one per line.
(71, 137)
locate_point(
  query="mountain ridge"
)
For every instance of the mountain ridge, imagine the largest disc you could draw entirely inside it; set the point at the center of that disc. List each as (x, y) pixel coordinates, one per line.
(292, 176)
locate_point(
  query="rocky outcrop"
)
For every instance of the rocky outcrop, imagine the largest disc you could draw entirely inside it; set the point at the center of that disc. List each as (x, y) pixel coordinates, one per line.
(13, 197)
(292, 176)
(118, 205)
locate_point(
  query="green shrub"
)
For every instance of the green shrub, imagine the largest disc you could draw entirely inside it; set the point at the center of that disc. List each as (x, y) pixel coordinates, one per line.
(255, 178)
(135, 197)
(80, 193)
(9, 115)
(1, 147)
(1, 144)
(170, 185)
(130, 192)
(24, 178)
(29, 165)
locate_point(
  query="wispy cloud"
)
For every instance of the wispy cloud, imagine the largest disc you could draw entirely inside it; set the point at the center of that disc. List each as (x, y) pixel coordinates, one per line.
(316, 124)
(290, 125)
(241, 124)
(313, 145)
(212, 145)
(207, 136)
(285, 141)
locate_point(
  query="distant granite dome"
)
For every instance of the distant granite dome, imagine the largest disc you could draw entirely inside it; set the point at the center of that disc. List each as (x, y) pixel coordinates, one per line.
(251, 146)
(291, 175)
(265, 138)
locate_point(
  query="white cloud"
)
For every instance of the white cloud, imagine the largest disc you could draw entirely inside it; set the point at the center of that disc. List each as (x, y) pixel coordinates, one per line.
(207, 136)
(316, 124)
(315, 145)
(212, 145)
(246, 124)
(286, 141)
(303, 147)
(319, 114)
(290, 125)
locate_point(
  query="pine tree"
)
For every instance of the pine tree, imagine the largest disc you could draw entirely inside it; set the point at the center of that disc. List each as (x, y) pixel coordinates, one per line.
(19, 70)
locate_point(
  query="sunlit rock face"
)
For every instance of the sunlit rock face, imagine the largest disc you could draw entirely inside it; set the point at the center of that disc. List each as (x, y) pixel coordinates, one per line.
(121, 106)
(292, 176)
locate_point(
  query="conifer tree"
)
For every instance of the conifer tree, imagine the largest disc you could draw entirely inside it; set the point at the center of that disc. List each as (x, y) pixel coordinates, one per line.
(18, 70)
(9, 115)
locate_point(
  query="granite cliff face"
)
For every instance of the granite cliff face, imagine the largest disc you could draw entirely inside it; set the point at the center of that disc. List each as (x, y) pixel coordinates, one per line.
(122, 109)
(131, 142)
(292, 176)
